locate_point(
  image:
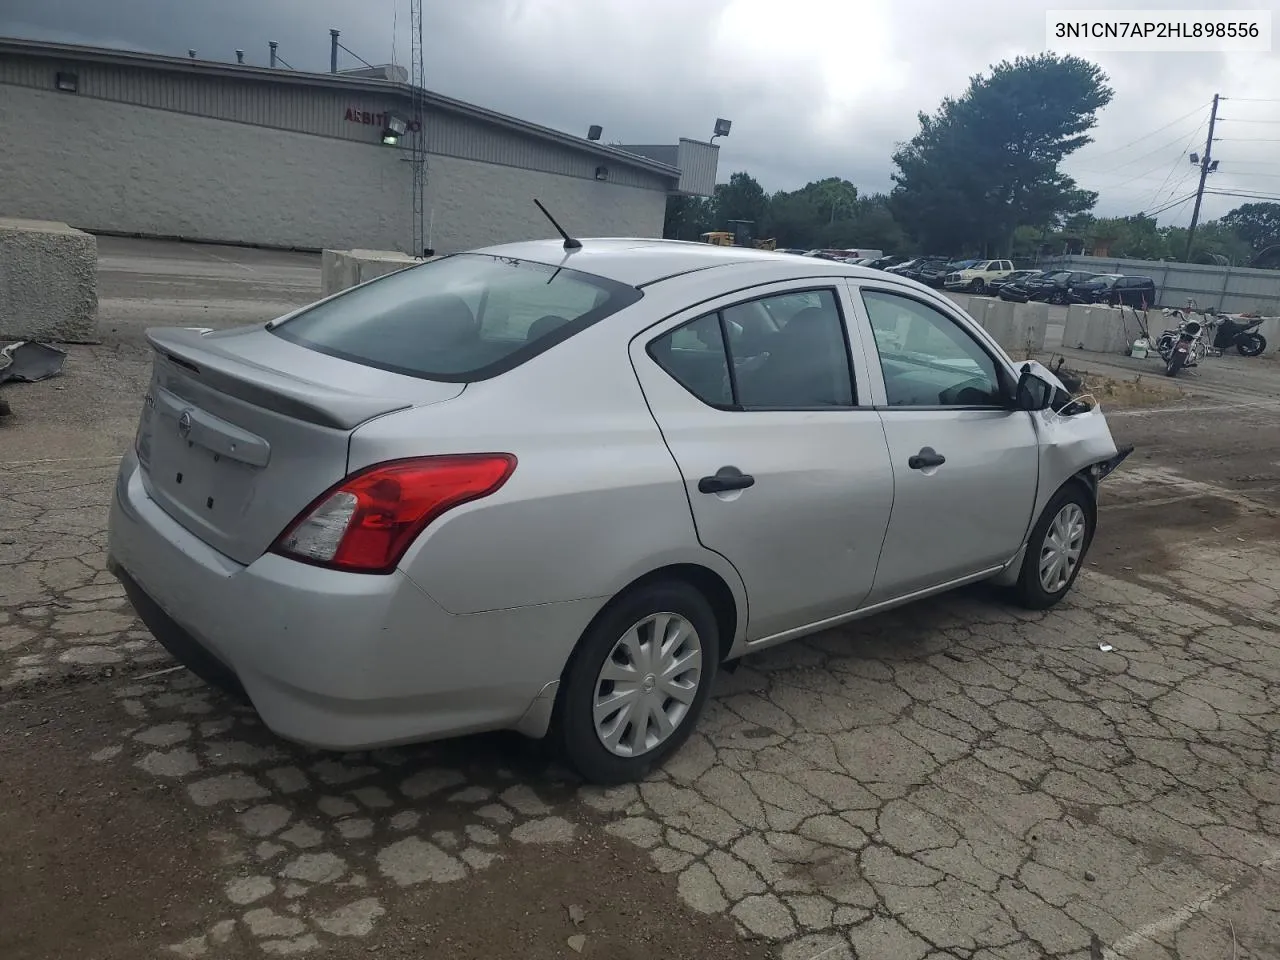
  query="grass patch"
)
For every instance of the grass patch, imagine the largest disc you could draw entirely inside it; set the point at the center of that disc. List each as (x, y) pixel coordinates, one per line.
(1126, 392)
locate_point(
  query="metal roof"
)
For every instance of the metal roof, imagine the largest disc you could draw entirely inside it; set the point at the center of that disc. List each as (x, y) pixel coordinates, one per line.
(333, 81)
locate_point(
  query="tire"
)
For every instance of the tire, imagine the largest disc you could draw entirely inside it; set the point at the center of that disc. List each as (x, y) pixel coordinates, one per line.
(575, 728)
(1174, 363)
(1250, 344)
(1075, 503)
(978, 286)
(1059, 297)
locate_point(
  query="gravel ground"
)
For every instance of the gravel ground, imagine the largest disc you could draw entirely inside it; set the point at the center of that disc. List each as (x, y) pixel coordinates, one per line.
(954, 779)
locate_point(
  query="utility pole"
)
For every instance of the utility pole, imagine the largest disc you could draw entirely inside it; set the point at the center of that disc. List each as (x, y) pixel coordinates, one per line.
(1205, 169)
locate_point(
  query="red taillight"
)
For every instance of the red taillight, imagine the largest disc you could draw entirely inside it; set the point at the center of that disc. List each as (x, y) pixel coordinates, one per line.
(367, 522)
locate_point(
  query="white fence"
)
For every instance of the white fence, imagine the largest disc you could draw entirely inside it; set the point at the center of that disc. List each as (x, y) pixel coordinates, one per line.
(1229, 289)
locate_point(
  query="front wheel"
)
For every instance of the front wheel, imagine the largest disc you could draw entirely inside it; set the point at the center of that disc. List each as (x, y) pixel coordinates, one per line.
(1176, 361)
(1057, 548)
(1251, 344)
(978, 286)
(1059, 297)
(637, 682)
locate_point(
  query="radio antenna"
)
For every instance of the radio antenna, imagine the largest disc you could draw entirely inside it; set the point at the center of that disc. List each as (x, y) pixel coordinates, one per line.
(569, 242)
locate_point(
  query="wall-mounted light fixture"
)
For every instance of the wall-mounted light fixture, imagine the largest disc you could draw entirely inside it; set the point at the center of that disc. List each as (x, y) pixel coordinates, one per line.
(722, 128)
(594, 131)
(602, 173)
(394, 130)
(67, 83)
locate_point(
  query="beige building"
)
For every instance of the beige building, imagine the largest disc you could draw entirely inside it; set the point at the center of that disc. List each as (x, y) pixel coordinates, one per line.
(138, 144)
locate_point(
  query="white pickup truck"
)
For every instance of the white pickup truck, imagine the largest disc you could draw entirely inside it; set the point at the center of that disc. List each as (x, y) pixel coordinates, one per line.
(975, 278)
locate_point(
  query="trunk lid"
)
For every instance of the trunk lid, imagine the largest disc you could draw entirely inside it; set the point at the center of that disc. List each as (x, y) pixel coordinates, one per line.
(240, 430)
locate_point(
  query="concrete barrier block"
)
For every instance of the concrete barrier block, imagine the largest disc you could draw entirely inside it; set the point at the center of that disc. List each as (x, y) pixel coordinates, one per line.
(48, 282)
(1104, 331)
(978, 307)
(340, 269)
(961, 300)
(1030, 323)
(998, 321)
(1074, 328)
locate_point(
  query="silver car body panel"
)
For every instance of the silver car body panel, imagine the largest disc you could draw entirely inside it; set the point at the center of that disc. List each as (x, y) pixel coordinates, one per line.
(474, 628)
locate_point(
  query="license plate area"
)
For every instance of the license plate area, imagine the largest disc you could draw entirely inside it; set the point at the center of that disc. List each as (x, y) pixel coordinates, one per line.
(210, 487)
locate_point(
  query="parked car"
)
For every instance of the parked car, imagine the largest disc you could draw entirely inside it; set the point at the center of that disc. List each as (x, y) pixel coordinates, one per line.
(1056, 287)
(925, 271)
(936, 273)
(1015, 278)
(1095, 290)
(1137, 292)
(883, 263)
(907, 264)
(978, 275)
(533, 487)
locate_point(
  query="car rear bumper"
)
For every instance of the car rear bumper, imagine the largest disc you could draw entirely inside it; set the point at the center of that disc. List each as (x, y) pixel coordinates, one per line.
(330, 659)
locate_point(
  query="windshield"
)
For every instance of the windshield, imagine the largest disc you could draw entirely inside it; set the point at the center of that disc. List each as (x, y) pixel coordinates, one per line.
(461, 318)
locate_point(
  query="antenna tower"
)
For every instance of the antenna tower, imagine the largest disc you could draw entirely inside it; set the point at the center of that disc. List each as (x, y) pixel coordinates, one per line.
(417, 80)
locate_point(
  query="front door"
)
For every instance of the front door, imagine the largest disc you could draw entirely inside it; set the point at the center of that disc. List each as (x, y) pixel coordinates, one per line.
(965, 465)
(787, 477)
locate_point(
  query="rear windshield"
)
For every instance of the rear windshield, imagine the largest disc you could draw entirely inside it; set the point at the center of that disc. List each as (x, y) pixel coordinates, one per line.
(461, 318)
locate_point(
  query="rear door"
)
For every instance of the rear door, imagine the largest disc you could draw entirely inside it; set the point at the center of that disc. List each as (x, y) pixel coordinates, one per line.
(965, 465)
(786, 471)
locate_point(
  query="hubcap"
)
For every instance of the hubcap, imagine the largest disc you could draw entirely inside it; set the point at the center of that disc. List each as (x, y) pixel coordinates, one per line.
(647, 684)
(1063, 543)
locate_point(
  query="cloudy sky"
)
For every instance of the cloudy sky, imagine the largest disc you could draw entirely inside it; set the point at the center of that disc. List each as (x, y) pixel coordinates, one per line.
(814, 88)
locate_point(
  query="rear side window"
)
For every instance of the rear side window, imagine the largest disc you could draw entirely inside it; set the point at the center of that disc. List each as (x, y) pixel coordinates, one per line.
(462, 318)
(786, 352)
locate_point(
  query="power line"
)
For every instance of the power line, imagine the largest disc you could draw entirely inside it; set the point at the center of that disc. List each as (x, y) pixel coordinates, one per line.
(1242, 120)
(1246, 139)
(1169, 176)
(1252, 99)
(1166, 207)
(1244, 196)
(1146, 136)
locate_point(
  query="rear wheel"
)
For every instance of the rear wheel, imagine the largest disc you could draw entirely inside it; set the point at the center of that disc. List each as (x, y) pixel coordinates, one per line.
(1057, 548)
(978, 286)
(1250, 344)
(638, 682)
(1175, 363)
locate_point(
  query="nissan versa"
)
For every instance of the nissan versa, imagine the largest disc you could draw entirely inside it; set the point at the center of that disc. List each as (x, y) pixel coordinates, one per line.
(554, 487)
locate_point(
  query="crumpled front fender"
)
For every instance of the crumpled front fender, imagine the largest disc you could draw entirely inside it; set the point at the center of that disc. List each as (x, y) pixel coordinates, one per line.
(1071, 445)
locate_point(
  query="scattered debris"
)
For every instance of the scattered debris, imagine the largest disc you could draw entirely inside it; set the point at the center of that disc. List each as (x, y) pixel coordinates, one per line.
(28, 362)
(1090, 876)
(577, 942)
(159, 673)
(576, 914)
(1105, 647)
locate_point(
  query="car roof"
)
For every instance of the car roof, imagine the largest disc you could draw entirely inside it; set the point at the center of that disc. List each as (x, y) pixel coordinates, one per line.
(638, 262)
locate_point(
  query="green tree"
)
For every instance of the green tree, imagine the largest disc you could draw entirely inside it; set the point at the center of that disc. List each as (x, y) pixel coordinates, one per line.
(687, 217)
(742, 198)
(987, 162)
(1257, 224)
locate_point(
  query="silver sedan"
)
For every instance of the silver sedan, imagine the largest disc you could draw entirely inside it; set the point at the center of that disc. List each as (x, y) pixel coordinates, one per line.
(553, 488)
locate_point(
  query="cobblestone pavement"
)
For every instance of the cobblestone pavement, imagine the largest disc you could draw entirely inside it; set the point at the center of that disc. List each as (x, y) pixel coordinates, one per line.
(954, 779)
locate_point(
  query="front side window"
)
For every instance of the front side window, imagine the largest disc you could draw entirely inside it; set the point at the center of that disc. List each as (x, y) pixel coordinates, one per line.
(928, 359)
(462, 318)
(786, 352)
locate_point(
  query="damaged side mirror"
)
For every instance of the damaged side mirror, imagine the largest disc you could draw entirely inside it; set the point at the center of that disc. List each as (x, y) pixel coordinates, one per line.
(1032, 393)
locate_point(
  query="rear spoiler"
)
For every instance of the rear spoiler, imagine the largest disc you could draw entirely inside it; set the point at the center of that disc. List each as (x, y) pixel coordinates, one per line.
(321, 404)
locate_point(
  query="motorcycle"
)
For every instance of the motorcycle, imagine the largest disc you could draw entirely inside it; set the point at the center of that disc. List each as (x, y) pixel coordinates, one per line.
(1241, 334)
(1181, 347)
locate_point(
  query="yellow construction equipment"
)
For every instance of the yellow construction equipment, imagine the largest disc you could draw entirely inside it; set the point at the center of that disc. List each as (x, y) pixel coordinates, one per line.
(725, 238)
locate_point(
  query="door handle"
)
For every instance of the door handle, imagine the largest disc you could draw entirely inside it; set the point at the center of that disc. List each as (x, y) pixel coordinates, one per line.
(927, 457)
(726, 479)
